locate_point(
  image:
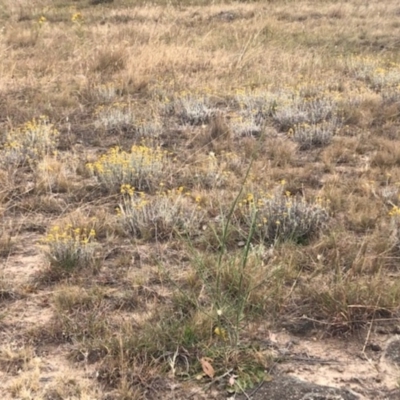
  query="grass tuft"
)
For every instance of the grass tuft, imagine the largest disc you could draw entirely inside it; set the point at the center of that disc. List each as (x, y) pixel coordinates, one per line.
(280, 217)
(163, 216)
(28, 143)
(143, 168)
(193, 110)
(70, 248)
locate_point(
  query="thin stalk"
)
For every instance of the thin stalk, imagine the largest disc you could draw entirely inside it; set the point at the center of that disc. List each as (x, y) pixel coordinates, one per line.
(226, 227)
(245, 258)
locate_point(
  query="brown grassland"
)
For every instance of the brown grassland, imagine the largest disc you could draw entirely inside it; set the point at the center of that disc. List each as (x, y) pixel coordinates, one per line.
(180, 179)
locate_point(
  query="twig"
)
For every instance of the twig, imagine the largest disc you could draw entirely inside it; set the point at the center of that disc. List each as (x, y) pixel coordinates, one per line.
(369, 332)
(368, 336)
(240, 387)
(312, 360)
(217, 379)
(256, 389)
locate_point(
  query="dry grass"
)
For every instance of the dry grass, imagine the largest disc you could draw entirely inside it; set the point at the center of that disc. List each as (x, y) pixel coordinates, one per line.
(189, 173)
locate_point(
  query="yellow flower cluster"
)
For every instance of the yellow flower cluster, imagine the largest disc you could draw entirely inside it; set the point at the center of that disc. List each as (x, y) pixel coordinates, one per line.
(142, 167)
(277, 215)
(376, 73)
(69, 234)
(261, 197)
(137, 199)
(127, 189)
(77, 17)
(146, 155)
(32, 140)
(394, 212)
(69, 247)
(42, 20)
(173, 192)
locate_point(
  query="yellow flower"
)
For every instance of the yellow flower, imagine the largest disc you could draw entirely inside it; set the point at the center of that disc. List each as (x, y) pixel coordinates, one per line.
(394, 212)
(77, 17)
(221, 332)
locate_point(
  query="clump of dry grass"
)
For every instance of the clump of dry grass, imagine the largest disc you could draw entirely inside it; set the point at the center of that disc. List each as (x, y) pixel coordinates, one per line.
(163, 216)
(280, 151)
(22, 38)
(28, 143)
(143, 168)
(109, 60)
(56, 175)
(299, 111)
(316, 135)
(210, 171)
(15, 358)
(116, 118)
(377, 74)
(7, 290)
(278, 216)
(242, 126)
(107, 93)
(70, 248)
(193, 110)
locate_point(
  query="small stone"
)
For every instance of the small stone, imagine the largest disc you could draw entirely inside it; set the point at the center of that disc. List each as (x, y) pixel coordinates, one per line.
(382, 331)
(374, 347)
(396, 330)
